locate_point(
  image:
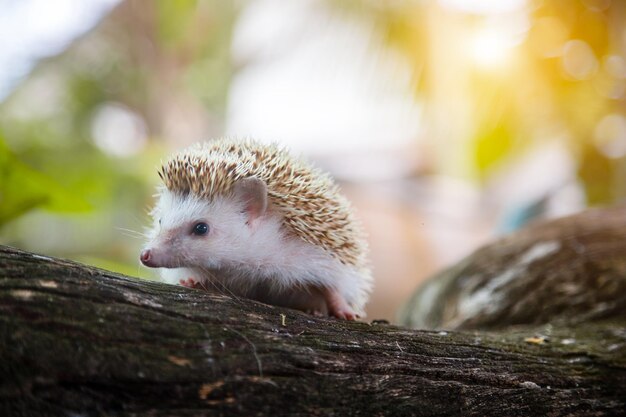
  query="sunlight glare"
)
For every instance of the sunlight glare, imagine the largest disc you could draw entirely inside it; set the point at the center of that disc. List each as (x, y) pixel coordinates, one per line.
(489, 49)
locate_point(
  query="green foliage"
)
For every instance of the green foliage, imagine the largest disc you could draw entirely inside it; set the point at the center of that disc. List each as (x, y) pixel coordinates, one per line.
(23, 188)
(491, 146)
(173, 18)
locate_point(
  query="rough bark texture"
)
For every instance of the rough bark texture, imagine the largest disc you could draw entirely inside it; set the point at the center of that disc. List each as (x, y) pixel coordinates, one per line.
(565, 271)
(75, 340)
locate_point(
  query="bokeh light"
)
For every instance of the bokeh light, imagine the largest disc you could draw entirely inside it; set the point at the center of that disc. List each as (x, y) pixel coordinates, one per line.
(489, 49)
(118, 130)
(579, 60)
(610, 135)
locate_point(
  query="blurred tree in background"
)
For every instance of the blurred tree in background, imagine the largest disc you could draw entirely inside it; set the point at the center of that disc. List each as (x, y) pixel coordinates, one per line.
(82, 134)
(499, 77)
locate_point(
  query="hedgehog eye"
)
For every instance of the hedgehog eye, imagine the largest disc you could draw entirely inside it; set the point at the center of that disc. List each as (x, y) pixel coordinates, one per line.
(200, 229)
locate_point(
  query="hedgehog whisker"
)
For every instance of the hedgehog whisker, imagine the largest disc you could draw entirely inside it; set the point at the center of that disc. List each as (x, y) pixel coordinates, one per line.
(207, 272)
(138, 221)
(222, 288)
(131, 233)
(131, 236)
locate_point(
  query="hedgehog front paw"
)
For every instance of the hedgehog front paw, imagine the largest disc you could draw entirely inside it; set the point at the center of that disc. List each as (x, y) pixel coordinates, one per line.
(191, 283)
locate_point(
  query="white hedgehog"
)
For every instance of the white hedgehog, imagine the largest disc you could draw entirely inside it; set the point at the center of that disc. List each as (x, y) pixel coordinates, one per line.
(250, 220)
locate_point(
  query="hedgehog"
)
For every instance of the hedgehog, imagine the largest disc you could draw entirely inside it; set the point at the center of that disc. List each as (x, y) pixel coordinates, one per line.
(250, 220)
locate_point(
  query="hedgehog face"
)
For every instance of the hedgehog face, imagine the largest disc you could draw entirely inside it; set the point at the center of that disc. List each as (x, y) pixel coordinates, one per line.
(194, 232)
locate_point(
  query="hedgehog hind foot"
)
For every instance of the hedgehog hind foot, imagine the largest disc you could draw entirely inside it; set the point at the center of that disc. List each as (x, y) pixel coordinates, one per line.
(338, 306)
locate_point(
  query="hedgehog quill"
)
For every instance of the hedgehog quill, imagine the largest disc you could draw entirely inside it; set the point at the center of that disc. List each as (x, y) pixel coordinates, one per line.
(253, 221)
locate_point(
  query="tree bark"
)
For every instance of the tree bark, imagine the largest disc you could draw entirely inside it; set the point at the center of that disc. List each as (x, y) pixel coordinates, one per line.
(564, 271)
(76, 340)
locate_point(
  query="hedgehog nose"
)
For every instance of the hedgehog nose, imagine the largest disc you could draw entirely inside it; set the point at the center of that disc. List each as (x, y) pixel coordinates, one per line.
(145, 257)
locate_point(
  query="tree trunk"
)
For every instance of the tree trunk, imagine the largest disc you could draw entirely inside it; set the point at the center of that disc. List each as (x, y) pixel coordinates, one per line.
(76, 340)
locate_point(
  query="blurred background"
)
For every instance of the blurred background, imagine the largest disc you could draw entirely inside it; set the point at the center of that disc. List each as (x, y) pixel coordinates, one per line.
(447, 123)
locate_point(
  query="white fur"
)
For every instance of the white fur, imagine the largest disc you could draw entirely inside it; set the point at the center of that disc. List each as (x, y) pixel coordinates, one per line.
(243, 257)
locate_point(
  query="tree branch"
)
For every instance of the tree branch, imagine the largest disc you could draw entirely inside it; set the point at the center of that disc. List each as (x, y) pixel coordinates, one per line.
(76, 340)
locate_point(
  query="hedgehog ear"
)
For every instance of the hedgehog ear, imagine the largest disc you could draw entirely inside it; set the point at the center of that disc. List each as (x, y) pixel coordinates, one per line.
(253, 193)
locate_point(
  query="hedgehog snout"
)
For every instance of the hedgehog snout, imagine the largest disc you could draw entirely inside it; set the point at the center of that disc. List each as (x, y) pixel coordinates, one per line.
(154, 258)
(156, 255)
(147, 259)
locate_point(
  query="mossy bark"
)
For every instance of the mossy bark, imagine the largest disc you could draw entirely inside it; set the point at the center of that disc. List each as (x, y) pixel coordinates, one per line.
(75, 340)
